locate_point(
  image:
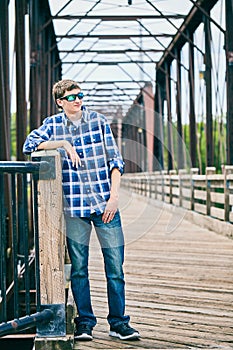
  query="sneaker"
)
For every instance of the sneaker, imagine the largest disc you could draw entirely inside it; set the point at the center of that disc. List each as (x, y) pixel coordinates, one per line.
(123, 331)
(83, 332)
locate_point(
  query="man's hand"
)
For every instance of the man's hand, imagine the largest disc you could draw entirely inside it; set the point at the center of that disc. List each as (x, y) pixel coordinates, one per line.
(71, 151)
(76, 161)
(110, 210)
(112, 203)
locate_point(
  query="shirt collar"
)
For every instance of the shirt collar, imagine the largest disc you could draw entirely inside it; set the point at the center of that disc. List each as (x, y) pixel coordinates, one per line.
(84, 117)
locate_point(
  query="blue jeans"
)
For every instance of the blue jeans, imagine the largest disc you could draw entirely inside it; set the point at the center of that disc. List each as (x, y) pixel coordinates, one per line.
(110, 236)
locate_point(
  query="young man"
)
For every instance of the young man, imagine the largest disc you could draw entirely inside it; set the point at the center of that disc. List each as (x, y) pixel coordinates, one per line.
(91, 171)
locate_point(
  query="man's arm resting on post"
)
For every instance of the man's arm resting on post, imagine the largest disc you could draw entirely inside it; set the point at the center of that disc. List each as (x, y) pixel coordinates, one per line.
(112, 204)
(62, 144)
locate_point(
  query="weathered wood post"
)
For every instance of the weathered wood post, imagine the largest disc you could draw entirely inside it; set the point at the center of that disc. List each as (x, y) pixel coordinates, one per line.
(181, 173)
(209, 171)
(171, 173)
(163, 173)
(156, 181)
(193, 172)
(227, 170)
(51, 254)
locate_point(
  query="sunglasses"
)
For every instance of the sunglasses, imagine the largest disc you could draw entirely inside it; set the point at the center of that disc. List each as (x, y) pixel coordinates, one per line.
(72, 98)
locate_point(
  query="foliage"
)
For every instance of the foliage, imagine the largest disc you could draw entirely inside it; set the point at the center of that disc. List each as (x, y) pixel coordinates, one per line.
(13, 135)
(219, 145)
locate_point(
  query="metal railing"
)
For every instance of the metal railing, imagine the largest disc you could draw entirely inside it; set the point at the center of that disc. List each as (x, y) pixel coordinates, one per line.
(19, 246)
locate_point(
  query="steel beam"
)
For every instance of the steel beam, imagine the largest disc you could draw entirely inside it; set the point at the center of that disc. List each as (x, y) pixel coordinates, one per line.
(105, 63)
(114, 36)
(208, 81)
(158, 122)
(229, 75)
(50, 65)
(35, 81)
(191, 22)
(110, 51)
(20, 43)
(4, 83)
(106, 82)
(192, 116)
(170, 153)
(180, 143)
(115, 18)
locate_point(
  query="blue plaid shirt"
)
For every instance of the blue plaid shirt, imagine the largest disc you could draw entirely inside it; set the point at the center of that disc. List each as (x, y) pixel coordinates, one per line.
(86, 188)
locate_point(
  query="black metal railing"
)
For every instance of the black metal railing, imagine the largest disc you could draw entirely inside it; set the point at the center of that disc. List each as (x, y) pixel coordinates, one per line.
(19, 246)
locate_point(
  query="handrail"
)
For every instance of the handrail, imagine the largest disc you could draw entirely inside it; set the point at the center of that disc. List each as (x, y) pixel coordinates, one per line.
(210, 194)
(24, 206)
(24, 167)
(26, 322)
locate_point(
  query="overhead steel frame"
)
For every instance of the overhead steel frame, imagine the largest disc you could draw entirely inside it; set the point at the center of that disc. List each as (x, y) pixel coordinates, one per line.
(229, 76)
(101, 105)
(45, 64)
(45, 68)
(4, 83)
(200, 13)
(138, 132)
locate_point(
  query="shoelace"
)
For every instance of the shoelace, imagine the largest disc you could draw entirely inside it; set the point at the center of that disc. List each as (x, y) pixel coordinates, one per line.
(84, 327)
(125, 325)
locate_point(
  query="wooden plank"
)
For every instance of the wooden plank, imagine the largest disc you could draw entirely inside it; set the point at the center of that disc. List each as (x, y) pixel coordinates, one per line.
(200, 208)
(217, 213)
(231, 199)
(217, 197)
(200, 194)
(52, 250)
(62, 343)
(51, 235)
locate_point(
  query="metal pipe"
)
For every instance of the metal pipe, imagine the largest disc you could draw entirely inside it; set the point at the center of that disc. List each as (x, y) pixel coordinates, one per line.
(36, 241)
(25, 238)
(26, 322)
(3, 308)
(14, 245)
(24, 167)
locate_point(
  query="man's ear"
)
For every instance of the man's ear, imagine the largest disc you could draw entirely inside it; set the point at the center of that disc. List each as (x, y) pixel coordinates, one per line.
(58, 103)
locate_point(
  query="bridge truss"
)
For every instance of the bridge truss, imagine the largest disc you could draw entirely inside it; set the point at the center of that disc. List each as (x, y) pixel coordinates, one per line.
(162, 74)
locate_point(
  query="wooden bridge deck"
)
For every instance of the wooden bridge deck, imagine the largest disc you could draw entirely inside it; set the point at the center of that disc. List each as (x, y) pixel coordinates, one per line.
(179, 283)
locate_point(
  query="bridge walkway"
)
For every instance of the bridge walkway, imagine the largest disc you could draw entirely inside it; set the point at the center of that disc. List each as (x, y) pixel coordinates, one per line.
(179, 288)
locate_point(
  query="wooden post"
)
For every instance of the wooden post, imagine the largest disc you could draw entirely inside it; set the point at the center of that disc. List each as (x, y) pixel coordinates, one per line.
(163, 172)
(226, 170)
(181, 172)
(209, 171)
(193, 171)
(229, 78)
(156, 177)
(171, 172)
(51, 253)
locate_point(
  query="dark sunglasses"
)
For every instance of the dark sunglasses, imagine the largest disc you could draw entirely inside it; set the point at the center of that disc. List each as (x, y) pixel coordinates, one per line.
(72, 97)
